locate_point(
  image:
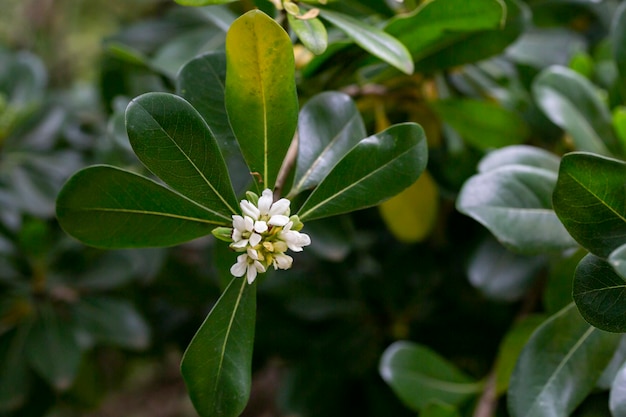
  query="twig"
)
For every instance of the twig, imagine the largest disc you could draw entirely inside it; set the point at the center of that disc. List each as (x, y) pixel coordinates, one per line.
(285, 168)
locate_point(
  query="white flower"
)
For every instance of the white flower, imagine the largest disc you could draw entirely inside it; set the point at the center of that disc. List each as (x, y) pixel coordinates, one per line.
(264, 232)
(247, 265)
(295, 240)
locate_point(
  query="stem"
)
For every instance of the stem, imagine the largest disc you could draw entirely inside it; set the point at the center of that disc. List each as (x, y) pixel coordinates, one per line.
(489, 398)
(285, 168)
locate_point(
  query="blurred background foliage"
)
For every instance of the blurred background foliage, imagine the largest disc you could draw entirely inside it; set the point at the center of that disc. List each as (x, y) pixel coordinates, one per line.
(90, 332)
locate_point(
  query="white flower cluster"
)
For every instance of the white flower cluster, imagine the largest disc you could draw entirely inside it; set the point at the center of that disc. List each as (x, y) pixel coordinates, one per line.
(263, 233)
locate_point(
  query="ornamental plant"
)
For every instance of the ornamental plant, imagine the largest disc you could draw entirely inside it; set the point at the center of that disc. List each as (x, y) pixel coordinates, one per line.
(300, 166)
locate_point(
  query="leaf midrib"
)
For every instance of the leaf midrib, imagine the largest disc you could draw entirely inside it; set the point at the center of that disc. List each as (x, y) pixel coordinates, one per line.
(617, 214)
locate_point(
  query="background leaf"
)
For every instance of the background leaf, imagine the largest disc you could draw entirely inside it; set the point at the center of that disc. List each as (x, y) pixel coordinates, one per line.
(372, 39)
(559, 366)
(571, 102)
(600, 294)
(590, 200)
(216, 365)
(329, 126)
(311, 32)
(173, 141)
(197, 3)
(111, 208)
(520, 155)
(419, 376)
(261, 98)
(617, 259)
(483, 124)
(513, 202)
(617, 397)
(377, 168)
(618, 43)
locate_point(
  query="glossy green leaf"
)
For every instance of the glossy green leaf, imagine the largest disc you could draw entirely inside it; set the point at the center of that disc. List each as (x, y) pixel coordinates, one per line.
(618, 42)
(217, 363)
(610, 372)
(311, 32)
(446, 33)
(52, 349)
(197, 3)
(419, 376)
(111, 208)
(438, 409)
(559, 366)
(542, 47)
(110, 321)
(514, 203)
(520, 155)
(571, 102)
(377, 168)
(510, 348)
(373, 40)
(617, 397)
(558, 289)
(174, 142)
(600, 294)
(483, 124)
(590, 200)
(617, 259)
(261, 98)
(329, 126)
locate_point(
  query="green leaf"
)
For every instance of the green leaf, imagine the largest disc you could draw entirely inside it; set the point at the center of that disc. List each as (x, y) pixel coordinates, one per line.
(15, 377)
(438, 409)
(618, 43)
(590, 200)
(173, 141)
(510, 348)
(419, 376)
(111, 321)
(311, 32)
(373, 40)
(329, 126)
(377, 168)
(571, 102)
(617, 259)
(559, 366)
(217, 363)
(261, 98)
(52, 349)
(197, 3)
(520, 155)
(600, 294)
(617, 397)
(483, 124)
(111, 208)
(447, 33)
(514, 203)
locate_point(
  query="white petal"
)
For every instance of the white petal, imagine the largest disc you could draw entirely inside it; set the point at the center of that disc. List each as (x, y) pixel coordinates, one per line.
(249, 209)
(258, 266)
(237, 236)
(240, 244)
(283, 261)
(252, 253)
(280, 207)
(248, 223)
(251, 274)
(260, 226)
(239, 269)
(278, 220)
(265, 201)
(255, 239)
(239, 223)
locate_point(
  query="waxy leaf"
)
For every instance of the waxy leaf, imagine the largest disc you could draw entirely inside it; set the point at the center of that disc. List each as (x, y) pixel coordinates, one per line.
(571, 102)
(600, 294)
(514, 203)
(483, 124)
(52, 349)
(174, 142)
(217, 363)
(559, 366)
(590, 200)
(373, 40)
(329, 126)
(111, 208)
(377, 168)
(261, 98)
(439, 409)
(520, 155)
(617, 259)
(420, 376)
(311, 32)
(617, 396)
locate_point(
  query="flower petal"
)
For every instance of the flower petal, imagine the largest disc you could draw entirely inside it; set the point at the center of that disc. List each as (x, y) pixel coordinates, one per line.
(249, 209)
(265, 201)
(251, 274)
(280, 207)
(278, 220)
(260, 226)
(255, 239)
(239, 269)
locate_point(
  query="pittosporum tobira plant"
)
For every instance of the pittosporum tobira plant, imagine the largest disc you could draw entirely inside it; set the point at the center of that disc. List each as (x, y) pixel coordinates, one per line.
(249, 96)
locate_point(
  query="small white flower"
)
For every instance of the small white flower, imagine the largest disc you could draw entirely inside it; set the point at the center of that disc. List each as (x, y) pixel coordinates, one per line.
(243, 232)
(282, 261)
(247, 266)
(295, 240)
